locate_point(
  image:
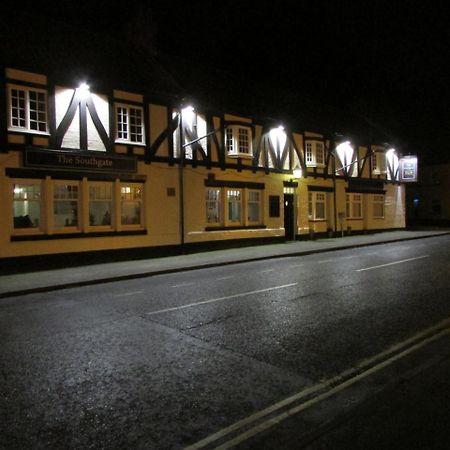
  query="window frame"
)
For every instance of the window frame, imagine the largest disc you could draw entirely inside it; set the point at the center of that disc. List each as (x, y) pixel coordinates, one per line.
(218, 205)
(379, 163)
(99, 227)
(28, 230)
(121, 201)
(69, 228)
(351, 202)
(27, 109)
(315, 198)
(127, 107)
(312, 149)
(376, 201)
(236, 141)
(257, 202)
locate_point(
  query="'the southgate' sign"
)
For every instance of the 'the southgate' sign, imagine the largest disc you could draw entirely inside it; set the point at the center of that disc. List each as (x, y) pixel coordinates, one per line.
(84, 161)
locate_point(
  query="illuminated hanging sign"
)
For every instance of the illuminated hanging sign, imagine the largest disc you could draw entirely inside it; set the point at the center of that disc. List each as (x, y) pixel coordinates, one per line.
(408, 168)
(84, 161)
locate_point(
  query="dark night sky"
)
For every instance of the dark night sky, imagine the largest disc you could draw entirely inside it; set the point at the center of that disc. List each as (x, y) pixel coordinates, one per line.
(386, 60)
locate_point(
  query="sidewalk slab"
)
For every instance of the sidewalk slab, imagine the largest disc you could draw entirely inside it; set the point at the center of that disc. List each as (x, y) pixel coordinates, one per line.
(49, 280)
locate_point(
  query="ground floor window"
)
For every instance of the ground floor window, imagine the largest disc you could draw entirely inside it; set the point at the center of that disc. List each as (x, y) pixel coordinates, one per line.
(65, 204)
(100, 204)
(354, 206)
(317, 205)
(233, 207)
(378, 206)
(131, 204)
(46, 206)
(27, 205)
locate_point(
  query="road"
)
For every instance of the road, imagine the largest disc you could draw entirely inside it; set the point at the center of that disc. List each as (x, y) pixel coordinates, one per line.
(282, 353)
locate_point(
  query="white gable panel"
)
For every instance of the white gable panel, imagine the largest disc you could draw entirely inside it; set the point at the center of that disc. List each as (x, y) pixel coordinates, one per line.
(72, 137)
(102, 107)
(94, 140)
(63, 97)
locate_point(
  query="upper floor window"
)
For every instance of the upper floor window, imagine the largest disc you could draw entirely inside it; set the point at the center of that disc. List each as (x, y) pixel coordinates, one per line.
(130, 124)
(378, 162)
(238, 141)
(314, 154)
(27, 109)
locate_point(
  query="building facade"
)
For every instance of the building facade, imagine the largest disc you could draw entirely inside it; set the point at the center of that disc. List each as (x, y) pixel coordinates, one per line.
(121, 173)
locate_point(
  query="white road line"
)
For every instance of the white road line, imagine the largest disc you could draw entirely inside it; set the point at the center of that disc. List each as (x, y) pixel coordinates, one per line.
(127, 294)
(225, 278)
(364, 365)
(182, 284)
(205, 302)
(326, 261)
(392, 263)
(267, 270)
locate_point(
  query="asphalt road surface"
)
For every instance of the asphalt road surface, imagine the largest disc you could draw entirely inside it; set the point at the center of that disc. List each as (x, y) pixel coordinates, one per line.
(346, 349)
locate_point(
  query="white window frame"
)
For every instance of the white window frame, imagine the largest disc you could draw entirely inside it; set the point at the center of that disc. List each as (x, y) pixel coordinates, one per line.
(28, 230)
(113, 201)
(253, 201)
(378, 200)
(221, 203)
(354, 201)
(213, 200)
(70, 228)
(122, 200)
(312, 151)
(118, 124)
(315, 198)
(27, 111)
(238, 141)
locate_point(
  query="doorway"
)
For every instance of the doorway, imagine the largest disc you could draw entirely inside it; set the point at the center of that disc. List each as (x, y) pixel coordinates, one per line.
(289, 217)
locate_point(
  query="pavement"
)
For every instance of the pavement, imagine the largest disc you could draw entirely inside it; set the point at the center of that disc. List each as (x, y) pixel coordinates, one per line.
(50, 280)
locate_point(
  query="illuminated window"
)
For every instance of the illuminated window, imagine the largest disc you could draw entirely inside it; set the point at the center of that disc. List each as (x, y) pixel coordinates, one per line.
(27, 205)
(316, 205)
(314, 154)
(233, 207)
(213, 206)
(129, 124)
(354, 206)
(378, 206)
(65, 205)
(100, 204)
(131, 204)
(234, 199)
(238, 141)
(254, 206)
(27, 109)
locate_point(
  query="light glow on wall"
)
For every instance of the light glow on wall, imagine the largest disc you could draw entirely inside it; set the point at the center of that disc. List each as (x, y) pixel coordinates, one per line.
(297, 172)
(278, 138)
(187, 116)
(345, 154)
(392, 161)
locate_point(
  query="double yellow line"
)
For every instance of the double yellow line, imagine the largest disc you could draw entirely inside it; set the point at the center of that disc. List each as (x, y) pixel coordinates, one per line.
(262, 420)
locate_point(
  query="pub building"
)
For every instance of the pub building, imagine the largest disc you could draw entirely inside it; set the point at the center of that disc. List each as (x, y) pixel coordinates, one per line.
(103, 159)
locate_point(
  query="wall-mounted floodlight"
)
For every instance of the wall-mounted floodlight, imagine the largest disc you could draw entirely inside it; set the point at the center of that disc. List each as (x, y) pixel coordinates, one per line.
(83, 90)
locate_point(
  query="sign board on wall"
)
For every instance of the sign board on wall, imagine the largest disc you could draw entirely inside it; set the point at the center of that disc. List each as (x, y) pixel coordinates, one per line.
(408, 168)
(83, 161)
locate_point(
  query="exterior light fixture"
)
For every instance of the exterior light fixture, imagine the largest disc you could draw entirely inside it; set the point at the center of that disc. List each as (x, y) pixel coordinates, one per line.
(83, 90)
